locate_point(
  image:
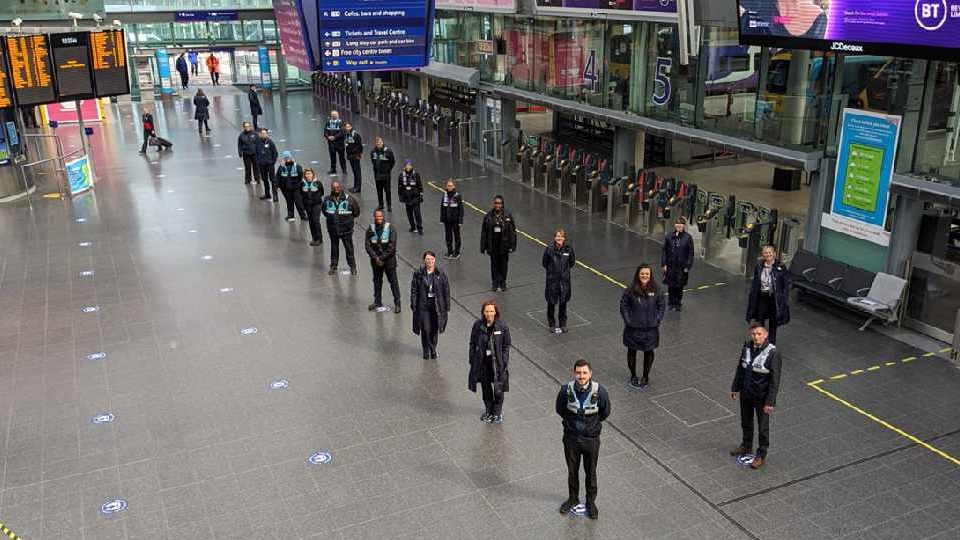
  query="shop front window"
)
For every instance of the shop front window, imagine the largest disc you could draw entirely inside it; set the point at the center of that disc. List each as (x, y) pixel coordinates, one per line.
(527, 53)
(577, 64)
(939, 154)
(446, 34)
(670, 84)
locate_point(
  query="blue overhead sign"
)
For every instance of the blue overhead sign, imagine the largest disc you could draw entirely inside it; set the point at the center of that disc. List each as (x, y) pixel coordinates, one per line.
(376, 35)
(189, 16)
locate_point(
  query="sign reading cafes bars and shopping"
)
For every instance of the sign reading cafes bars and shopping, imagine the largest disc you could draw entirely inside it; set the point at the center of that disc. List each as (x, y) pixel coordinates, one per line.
(375, 35)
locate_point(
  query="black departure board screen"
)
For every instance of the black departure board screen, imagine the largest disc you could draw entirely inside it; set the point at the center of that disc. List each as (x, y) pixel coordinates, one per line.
(109, 59)
(71, 64)
(5, 99)
(30, 70)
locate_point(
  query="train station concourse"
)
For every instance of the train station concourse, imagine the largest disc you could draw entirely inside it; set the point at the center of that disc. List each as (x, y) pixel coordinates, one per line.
(676, 271)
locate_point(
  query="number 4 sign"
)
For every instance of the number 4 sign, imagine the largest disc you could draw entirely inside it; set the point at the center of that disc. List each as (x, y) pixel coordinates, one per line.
(590, 70)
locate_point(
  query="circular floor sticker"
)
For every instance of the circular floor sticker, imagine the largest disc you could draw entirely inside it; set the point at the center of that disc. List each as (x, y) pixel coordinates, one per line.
(113, 507)
(104, 418)
(745, 459)
(97, 356)
(84, 244)
(248, 331)
(90, 309)
(320, 458)
(279, 384)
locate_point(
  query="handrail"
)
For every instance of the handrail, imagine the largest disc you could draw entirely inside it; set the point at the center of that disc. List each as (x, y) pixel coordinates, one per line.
(47, 160)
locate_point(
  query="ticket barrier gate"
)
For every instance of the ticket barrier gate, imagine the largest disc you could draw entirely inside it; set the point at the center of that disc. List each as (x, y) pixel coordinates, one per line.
(356, 93)
(544, 162)
(755, 227)
(618, 199)
(525, 159)
(345, 90)
(788, 239)
(715, 212)
(442, 129)
(554, 171)
(596, 193)
(460, 138)
(662, 198)
(564, 178)
(581, 186)
(406, 111)
(423, 111)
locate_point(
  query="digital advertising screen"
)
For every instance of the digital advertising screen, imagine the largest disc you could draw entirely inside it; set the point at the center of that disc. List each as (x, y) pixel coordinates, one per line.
(654, 10)
(377, 35)
(917, 29)
(108, 56)
(71, 64)
(31, 73)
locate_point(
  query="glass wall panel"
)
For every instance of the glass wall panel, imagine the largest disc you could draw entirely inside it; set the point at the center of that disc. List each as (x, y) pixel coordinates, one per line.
(527, 44)
(732, 75)
(191, 31)
(671, 86)
(252, 31)
(227, 31)
(154, 33)
(620, 64)
(576, 67)
(796, 102)
(446, 32)
(940, 156)
(269, 31)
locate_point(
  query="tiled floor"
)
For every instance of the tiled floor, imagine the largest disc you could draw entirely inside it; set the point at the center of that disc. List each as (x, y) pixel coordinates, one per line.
(200, 445)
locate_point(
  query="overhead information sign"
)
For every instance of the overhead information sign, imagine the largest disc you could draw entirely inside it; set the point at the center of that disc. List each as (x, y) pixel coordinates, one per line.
(652, 10)
(71, 63)
(5, 99)
(111, 76)
(916, 29)
(30, 70)
(376, 35)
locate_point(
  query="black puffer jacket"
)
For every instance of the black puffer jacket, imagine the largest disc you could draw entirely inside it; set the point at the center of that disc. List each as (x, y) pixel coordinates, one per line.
(508, 228)
(247, 143)
(340, 210)
(558, 262)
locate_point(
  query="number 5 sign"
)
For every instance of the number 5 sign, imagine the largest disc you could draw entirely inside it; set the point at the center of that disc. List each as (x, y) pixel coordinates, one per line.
(661, 81)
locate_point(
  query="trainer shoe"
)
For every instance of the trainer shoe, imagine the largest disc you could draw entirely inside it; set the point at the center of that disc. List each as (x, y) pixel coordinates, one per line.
(496, 419)
(567, 505)
(290, 220)
(592, 511)
(373, 306)
(634, 382)
(316, 243)
(485, 417)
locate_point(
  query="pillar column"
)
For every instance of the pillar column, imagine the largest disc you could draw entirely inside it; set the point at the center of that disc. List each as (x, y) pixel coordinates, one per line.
(510, 133)
(903, 238)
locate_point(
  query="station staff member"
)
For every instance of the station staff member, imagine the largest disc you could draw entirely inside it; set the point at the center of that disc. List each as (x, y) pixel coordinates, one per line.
(498, 238)
(383, 161)
(769, 300)
(677, 259)
(381, 245)
(340, 210)
(451, 215)
(333, 132)
(583, 404)
(756, 382)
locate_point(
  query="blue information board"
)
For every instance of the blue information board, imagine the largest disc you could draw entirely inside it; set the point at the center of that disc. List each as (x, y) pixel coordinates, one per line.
(376, 35)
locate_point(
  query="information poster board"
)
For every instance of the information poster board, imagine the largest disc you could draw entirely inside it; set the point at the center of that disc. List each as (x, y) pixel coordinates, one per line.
(865, 159)
(375, 36)
(71, 65)
(30, 69)
(915, 29)
(294, 36)
(111, 75)
(163, 68)
(79, 176)
(6, 99)
(263, 55)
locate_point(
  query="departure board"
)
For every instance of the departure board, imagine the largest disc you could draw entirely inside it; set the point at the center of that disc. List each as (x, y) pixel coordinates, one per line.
(30, 71)
(71, 64)
(5, 99)
(109, 56)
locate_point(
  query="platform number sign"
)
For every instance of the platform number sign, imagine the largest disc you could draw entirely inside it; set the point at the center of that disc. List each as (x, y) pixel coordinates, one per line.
(661, 81)
(590, 70)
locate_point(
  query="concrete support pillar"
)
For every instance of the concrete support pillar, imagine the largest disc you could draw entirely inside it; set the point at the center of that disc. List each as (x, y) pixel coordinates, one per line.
(794, 107)
(510, 133)
(903, 238)
(624, 150)
(282, 70)
(413, 87)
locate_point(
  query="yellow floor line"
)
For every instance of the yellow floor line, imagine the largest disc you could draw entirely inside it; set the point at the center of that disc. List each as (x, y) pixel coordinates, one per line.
(856, 372)
(909, 359)
(929, 354)
(838, 377)
(873, 368)
(946, 349)
(885, 424)
(891, 363)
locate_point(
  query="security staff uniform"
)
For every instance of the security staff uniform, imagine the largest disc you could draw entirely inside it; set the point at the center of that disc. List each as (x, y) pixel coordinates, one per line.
(451, 215)
(340, 210)
(334, 128)
(757, 379)
(381, 245)
(311, 192)
(383, 162)
(583, 410)
(290, 179)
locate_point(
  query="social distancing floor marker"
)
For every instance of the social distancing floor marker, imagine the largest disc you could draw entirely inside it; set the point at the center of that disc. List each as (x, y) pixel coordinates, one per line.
(877, 367)
(581, 264)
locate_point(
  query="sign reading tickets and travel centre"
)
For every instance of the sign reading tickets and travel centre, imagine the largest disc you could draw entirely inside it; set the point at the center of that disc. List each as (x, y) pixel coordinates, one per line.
(915, 28)
(375, 35)
(868, 147)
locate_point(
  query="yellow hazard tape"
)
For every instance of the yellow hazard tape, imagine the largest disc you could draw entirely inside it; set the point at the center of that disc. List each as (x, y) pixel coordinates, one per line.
(8, 533)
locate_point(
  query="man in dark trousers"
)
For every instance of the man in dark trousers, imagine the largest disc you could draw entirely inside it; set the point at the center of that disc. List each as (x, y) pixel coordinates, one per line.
(267, 155)
(354, 149)
(148, 129)
(183, 70)
(333, 132)
(383, 161)
(381, 245)
(255, 108)
(583, 404)
(676, 259)
(451, 215)
(247, 149)
(757, 382)
(498, 238)
(410, 193)
(340, 210)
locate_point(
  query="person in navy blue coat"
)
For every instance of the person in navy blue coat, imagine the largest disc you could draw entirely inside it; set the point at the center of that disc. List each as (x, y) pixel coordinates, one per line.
(642, 307)
(490, 361)
(558, 259)
(677, 259)
(769, 300)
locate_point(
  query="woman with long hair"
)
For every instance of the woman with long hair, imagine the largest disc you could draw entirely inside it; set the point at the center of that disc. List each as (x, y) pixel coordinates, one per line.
(489, 360)
(430, 303)
(642, 307)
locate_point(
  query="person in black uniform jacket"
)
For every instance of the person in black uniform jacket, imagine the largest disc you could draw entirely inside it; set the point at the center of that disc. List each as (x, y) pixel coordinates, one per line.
(451, 215)
(381, 245)
(290, 178)
(769, 300)
(354, 148)
(490, 361)
(498, 238)
(255, 108)
(410, 193)
(383, 161)
(677, 259)
(558, 259)
(201, 107)
(584, 405)
(247, 149)
(430, 303)
(311, 192)
(333, 132)
(641, 307)
(340, 210)
(756, 382)
(267, 155)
